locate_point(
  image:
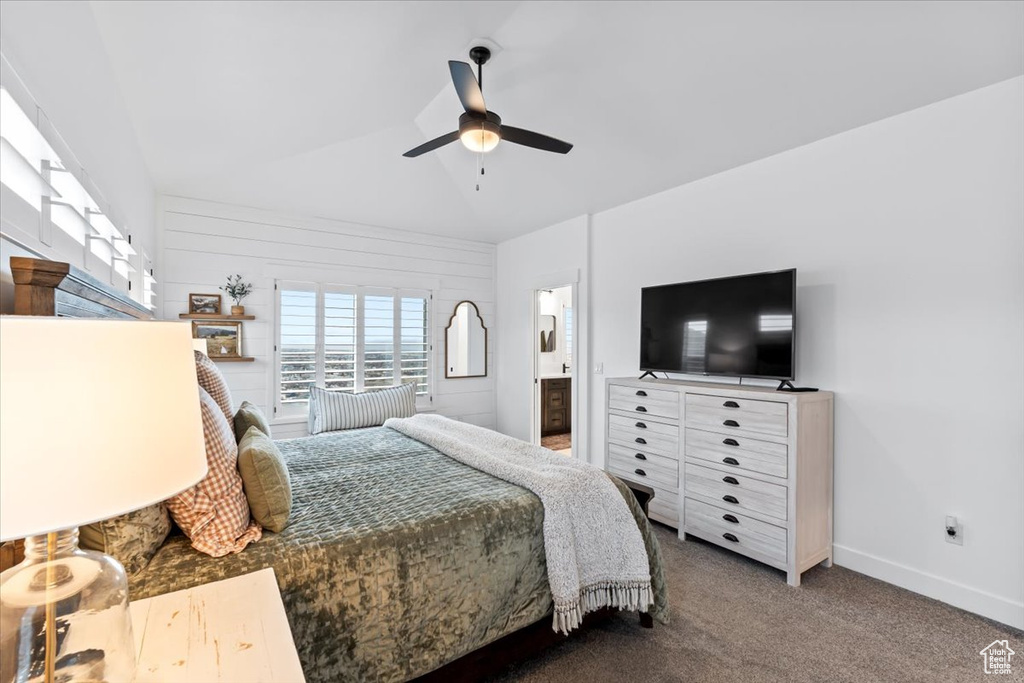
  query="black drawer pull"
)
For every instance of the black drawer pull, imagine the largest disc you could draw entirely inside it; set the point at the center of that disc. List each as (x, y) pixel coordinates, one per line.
(730, 518)
(731, 499)
(731, 423)
(640, 456)
(641, 439)
(730, 461)
(640, 425)
(640, 472)
(731, 480)
(641, 393)
(730, 537)
(641, 409)
(730, 442)
(730, 404)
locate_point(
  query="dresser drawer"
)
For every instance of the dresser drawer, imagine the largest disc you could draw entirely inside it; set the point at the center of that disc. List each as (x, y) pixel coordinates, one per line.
(644, 473)
(757, 538)
(740, 452)
(639, 455)
(643, 426)
(644, 401)
(735, 490)
(742, 416)
(632, 437)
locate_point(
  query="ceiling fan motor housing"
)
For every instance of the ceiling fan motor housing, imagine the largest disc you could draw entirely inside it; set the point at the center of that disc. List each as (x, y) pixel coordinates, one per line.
(471, 120)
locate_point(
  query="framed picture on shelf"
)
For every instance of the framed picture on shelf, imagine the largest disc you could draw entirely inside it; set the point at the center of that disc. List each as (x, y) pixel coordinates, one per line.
(223, 337)
(204, 303)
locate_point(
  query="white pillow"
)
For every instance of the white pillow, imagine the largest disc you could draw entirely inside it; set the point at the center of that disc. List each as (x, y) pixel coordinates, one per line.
(331, 411)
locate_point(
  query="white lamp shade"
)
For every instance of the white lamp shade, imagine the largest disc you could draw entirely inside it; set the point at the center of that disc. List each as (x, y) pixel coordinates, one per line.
(200, 346)
(97, 418)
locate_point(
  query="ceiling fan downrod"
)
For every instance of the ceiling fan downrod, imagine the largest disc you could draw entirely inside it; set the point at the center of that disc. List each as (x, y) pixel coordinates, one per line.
(480, 55)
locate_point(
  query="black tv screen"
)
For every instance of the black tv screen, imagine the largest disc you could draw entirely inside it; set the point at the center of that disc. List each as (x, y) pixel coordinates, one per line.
(735, 326)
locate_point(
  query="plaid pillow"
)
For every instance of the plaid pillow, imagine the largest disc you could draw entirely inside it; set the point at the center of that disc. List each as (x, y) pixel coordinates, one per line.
(211, 379)
(214, 513)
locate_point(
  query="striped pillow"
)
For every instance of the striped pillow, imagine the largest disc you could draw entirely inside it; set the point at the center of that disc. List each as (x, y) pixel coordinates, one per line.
(330, 411)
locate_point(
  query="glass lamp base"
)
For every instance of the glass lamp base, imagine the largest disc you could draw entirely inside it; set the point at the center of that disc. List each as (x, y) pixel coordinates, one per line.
(64, 615)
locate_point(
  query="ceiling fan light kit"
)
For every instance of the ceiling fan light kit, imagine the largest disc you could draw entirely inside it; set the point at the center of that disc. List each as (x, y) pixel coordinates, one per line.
(481, 130)
(480, 133)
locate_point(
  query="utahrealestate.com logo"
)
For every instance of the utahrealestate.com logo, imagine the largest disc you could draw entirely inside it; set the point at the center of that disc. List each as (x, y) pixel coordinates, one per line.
(997, 657)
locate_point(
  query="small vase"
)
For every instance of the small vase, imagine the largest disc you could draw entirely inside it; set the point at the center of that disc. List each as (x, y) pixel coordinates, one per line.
(238, 310)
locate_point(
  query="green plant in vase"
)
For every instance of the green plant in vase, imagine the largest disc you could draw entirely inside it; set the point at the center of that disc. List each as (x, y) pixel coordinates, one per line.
(237, 290)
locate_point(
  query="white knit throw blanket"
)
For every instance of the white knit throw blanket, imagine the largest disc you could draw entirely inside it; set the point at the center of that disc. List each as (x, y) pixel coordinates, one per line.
(595, 554)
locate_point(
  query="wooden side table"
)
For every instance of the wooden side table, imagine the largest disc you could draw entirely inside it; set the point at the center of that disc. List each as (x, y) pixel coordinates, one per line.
(233, 630)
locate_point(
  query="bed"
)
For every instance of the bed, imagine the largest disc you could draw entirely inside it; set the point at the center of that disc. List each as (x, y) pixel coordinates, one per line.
(397, 560)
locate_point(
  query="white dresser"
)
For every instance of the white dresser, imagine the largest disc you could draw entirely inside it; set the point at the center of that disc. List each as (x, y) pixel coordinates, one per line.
(746, 468)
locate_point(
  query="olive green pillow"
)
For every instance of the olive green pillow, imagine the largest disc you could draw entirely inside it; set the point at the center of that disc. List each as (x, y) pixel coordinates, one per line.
(247, 416)
(132, 539)
(265, 480)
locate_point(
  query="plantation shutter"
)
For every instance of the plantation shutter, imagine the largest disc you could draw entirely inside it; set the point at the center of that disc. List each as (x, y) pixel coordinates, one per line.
(340, 333)
(348, 339)
(378, 341)
(568, 336)
(415, 340)
(297, 346)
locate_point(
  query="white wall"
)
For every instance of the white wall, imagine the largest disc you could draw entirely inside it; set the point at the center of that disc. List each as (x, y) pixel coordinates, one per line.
(547, 258)
(203, 242)
(54, 58)
(908, 237)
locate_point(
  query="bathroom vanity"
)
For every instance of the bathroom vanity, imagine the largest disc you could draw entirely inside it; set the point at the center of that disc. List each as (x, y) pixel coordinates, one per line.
(556, 405)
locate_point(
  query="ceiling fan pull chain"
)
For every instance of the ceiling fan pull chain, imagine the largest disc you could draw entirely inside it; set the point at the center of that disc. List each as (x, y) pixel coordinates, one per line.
(479, 165)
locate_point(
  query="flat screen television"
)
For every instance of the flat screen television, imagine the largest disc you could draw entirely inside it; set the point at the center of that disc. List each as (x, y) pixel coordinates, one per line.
(740, 326)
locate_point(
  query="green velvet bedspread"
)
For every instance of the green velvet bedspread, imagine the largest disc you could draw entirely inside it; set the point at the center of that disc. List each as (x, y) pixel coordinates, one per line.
(396, 559)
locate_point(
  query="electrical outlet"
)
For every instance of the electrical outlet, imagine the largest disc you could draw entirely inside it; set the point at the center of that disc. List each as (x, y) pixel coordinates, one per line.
(599, 369)
(954, 530)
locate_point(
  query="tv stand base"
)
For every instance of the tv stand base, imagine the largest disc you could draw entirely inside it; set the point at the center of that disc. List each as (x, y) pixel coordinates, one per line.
(786, 385)
(649, 372)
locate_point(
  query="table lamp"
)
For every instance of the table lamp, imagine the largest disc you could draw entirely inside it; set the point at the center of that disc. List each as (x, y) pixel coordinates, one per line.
(97, 418)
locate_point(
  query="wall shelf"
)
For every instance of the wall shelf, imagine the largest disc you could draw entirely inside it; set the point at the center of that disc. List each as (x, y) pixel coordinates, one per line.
(214, 316)
(232, 359)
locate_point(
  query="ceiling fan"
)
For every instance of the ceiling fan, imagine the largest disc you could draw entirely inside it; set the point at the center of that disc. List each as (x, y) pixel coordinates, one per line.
(481, 130)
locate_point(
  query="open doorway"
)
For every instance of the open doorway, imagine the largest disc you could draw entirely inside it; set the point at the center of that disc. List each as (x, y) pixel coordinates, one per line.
(553, 347)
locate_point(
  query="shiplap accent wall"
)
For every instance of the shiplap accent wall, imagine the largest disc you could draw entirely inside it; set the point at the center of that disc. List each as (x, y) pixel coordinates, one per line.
(202, 242)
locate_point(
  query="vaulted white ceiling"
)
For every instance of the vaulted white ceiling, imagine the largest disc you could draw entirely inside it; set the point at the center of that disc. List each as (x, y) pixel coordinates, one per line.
(307, 107)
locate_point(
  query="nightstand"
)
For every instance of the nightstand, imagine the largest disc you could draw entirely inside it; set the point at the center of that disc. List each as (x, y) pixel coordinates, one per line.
(232, 630)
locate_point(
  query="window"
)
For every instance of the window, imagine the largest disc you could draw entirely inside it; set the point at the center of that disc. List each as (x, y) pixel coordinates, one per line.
(568, 335)
(33, 170)
(349, 339)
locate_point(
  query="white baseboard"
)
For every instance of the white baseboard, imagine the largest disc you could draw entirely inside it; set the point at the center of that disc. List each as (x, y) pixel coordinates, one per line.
(957, 594)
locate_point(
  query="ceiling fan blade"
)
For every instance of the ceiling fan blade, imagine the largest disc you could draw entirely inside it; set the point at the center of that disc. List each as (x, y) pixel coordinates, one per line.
(433, 144)
(535, 140)
(470, 95)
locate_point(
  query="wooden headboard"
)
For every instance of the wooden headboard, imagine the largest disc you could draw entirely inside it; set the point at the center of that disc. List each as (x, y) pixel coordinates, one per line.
(54, 288)
(58, 289)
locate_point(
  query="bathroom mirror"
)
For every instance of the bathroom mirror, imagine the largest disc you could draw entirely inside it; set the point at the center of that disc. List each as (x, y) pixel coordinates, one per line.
(547, 333)
(465, 343)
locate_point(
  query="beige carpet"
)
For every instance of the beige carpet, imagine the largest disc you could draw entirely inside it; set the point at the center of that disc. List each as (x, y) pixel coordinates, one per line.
(737, 620)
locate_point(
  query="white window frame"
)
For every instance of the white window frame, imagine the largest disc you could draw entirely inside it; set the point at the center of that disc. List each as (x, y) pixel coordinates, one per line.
(299, 412)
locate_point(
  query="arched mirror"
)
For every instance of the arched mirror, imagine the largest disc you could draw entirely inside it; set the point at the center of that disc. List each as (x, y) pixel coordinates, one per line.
(465, 343)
